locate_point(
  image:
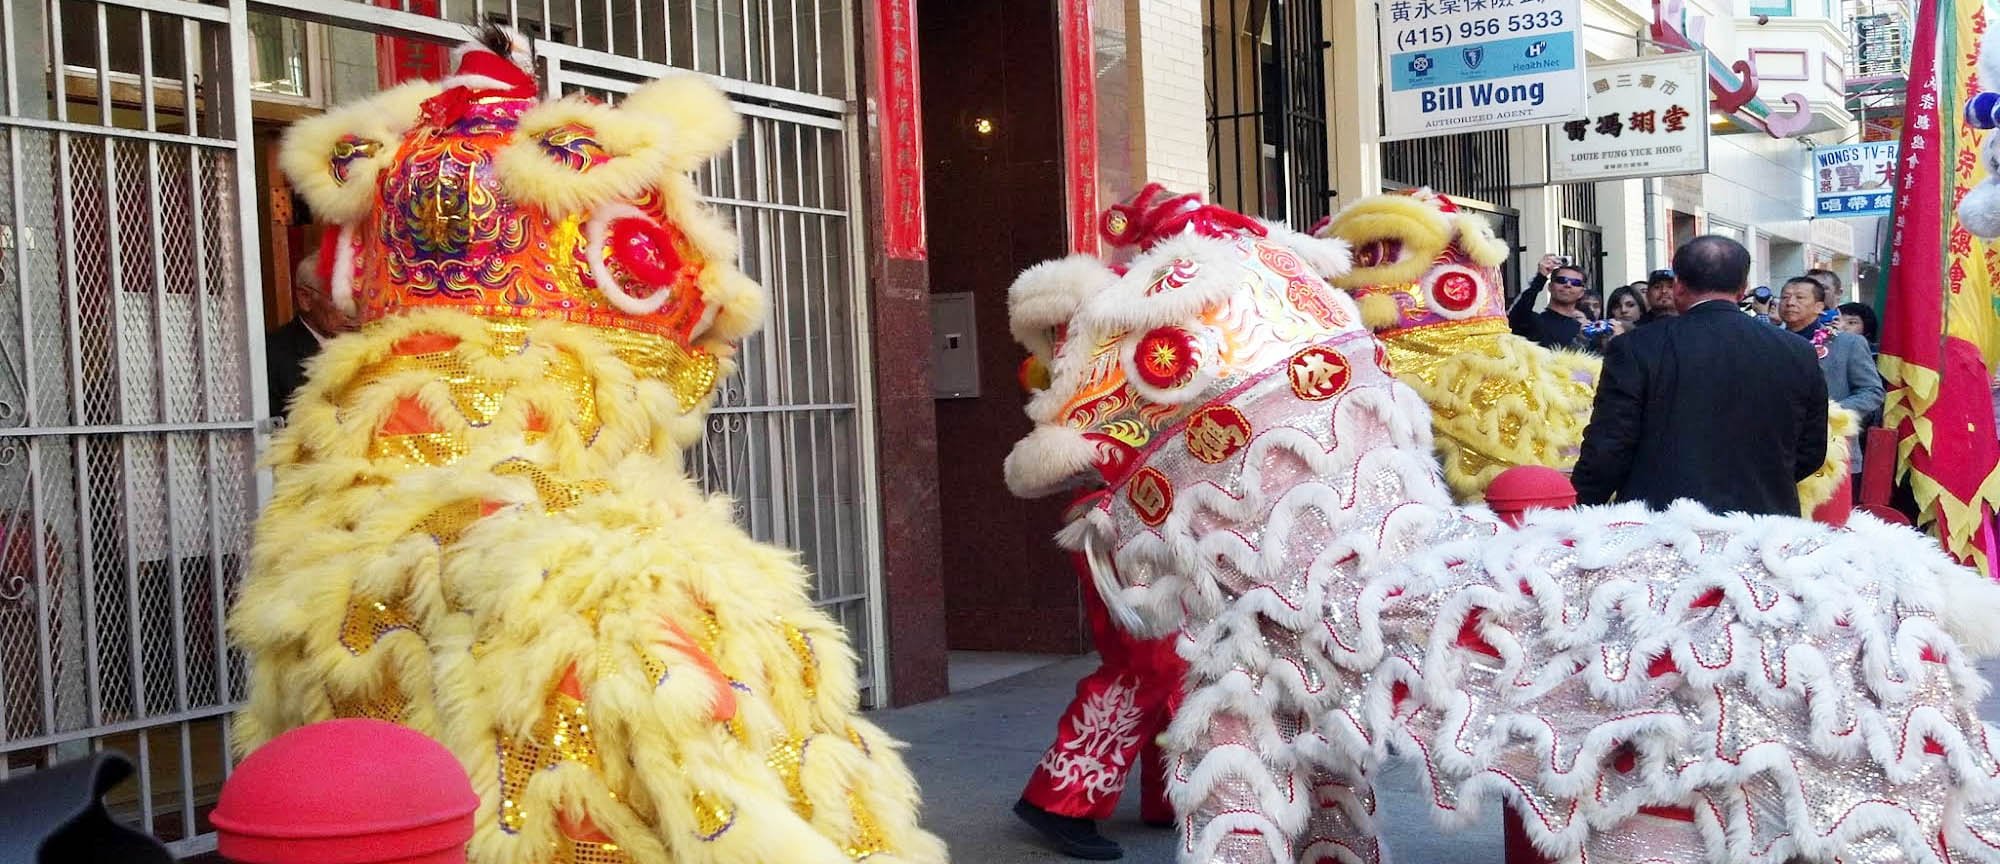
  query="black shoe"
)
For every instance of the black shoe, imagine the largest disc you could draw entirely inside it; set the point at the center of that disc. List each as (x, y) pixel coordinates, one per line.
(1077, 838)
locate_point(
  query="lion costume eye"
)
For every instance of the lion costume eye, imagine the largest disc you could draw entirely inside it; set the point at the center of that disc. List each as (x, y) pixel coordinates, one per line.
(1169, 365)
(1377, 253)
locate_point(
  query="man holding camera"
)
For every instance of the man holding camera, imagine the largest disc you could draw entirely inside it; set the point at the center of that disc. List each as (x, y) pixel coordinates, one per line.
(1562, 324)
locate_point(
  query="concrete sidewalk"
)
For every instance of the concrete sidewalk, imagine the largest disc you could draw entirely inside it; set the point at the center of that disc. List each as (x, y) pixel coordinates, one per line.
(973, 750)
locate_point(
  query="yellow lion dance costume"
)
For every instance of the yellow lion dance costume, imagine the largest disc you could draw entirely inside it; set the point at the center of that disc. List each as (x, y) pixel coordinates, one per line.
(481, 528)
(1426, 277)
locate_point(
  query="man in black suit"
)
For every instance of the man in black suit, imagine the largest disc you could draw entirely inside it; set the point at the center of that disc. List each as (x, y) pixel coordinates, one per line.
(1711, 405)
(287, 348)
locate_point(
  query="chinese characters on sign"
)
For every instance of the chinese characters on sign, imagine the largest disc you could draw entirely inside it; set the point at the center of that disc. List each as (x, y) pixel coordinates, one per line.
(1854, 180)
(1643, 118)
(1452, 66)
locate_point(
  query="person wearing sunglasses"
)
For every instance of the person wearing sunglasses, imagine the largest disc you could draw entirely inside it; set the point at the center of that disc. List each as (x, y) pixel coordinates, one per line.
(1563, 324)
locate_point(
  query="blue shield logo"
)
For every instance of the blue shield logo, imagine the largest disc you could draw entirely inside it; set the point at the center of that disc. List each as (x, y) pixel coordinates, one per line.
(1474, 55)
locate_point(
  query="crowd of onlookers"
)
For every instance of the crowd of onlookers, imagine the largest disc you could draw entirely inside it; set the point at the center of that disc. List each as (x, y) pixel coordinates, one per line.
(1734, 360)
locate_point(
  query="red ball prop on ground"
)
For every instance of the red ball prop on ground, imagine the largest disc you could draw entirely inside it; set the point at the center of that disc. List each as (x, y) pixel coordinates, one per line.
(1525, 487)
(350, 791)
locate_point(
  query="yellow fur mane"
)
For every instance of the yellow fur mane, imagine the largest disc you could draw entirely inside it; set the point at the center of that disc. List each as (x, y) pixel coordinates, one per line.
(558, 603)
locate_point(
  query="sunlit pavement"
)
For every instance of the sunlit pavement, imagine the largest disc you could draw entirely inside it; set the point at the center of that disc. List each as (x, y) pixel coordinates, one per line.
(972, 751)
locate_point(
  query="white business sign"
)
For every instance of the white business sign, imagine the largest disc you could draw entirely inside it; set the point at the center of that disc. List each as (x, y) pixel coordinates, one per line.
(1854, 180)
(1452, 66)
(1646, 118)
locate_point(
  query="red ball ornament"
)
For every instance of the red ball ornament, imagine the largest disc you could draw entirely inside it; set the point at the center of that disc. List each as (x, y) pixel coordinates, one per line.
(645, 250)
(1165, 357)
(1455, 291)
(351, 791)
(1524, 487)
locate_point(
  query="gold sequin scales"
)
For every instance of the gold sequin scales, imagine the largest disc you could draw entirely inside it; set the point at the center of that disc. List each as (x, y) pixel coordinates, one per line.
(562, 735)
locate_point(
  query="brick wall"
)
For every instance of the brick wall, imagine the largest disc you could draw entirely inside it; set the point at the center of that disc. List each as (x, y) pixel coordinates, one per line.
(1175, 111)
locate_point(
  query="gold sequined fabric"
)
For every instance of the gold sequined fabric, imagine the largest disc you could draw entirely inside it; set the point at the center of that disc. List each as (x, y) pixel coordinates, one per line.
(368, 620)
(562, 735)
(788, 759)
(868, 840)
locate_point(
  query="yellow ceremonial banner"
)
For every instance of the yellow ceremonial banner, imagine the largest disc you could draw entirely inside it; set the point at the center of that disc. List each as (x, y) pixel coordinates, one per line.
(1972, 311)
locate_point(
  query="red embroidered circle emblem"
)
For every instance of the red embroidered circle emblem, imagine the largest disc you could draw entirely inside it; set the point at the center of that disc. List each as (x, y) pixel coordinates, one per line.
(1165, 358)
(646, 251)
(1455, 292)
(1217, 433)
(1151, 496)
(1319, 373)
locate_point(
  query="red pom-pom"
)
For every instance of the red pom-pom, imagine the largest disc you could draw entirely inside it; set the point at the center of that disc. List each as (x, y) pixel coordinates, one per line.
(645, 251)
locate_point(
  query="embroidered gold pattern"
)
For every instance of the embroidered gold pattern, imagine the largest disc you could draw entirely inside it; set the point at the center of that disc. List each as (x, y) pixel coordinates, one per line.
(808, 660)
(368, 620)
(868, 840)
(561, 735)
(788, 759)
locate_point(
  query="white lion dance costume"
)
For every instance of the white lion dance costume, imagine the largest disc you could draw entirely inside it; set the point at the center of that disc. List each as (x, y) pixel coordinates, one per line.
(481, 528)
(1640, 686)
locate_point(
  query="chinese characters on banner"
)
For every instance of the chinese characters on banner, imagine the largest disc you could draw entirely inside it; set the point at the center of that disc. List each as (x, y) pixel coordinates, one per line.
(1452, 66)
(902, 135)
(1645, 118)
(1854, 180)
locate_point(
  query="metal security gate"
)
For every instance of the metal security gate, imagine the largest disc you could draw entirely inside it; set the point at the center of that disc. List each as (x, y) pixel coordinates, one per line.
(127, 419)
(786, 438)
(1265, 70)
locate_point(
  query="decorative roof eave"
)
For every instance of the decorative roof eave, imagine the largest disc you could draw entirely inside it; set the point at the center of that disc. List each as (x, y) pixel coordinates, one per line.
(1734, 94)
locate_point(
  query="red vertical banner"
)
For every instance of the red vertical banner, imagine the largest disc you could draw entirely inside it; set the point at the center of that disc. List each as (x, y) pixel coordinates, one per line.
(902, 132)
(400, 60)
(1913, 324)
(1079, 81)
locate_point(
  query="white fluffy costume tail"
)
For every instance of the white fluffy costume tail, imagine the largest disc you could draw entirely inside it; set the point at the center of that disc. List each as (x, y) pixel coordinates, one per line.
(1640, 686)
(481, 526)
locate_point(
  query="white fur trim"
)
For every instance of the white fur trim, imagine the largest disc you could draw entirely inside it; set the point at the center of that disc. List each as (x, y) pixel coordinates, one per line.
(1330, 256)
(596, 233)
(1049, 294)
(306, 152)
(474, 83)
(703, 120)
(1048, 460)
(639, 147)
(341, 286)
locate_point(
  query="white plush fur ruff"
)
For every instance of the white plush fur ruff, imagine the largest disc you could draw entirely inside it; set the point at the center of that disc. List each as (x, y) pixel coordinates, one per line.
(1875, 599)
(1329, 256)
(1049, 294)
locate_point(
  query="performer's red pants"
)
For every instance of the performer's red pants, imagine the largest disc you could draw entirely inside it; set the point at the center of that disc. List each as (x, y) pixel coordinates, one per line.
(1119, 711)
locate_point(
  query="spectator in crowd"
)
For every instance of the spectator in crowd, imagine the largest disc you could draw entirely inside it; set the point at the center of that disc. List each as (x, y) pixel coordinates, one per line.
(1828, 280)
(1672, 419)
(1592, 305)
(1844, 359)
(1563, 323)
(1628, 304)
(1859, 319)
(1659, 297)
(315, 319)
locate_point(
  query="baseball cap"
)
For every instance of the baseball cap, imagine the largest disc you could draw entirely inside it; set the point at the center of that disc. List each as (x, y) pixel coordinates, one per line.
(1659, 275)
